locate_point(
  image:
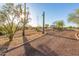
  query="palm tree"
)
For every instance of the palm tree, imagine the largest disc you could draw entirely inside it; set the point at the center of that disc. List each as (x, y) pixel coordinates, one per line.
(74, 17)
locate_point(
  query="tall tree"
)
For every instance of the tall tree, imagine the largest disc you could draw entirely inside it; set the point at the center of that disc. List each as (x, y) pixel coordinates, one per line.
(74, 17)
(23, 33)
(25, 17)
(10, 15)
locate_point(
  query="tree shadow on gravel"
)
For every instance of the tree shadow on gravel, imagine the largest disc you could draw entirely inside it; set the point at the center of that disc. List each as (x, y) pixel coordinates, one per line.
(4, 48)
(41, 50)
(45, 51)
(29, 50)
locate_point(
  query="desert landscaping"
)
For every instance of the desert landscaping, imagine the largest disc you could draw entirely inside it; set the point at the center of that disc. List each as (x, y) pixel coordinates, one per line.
(53, 43)
(25, 32)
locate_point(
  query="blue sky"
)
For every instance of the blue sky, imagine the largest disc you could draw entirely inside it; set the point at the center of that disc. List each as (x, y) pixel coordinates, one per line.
(53, 11)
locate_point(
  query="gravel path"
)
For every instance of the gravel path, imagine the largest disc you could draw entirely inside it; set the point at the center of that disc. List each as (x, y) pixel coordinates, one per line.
(17, 48)
(51, 44)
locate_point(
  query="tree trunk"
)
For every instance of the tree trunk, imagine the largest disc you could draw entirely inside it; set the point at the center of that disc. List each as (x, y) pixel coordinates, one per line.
(10, 37)
(23, 33)
(24, 20)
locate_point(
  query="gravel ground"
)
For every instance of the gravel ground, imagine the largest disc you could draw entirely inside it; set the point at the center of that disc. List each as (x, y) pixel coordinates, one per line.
(54, 43)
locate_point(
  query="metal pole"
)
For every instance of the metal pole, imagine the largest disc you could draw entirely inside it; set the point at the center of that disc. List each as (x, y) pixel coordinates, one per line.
(43, 22)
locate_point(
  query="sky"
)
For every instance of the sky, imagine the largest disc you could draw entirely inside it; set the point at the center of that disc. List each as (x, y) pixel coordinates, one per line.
(53, 12)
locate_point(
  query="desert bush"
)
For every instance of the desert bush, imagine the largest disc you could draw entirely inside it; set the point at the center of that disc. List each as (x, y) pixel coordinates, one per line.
(46, 26)
(9, 30)
(1, 31)
(38, 28)
(59, 25)
(70, 28)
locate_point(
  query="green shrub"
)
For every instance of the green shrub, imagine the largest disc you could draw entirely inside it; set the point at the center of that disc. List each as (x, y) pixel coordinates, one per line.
(59, 24)
(38, 29)
(46, 26)
(70, 28)
(1, 33)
